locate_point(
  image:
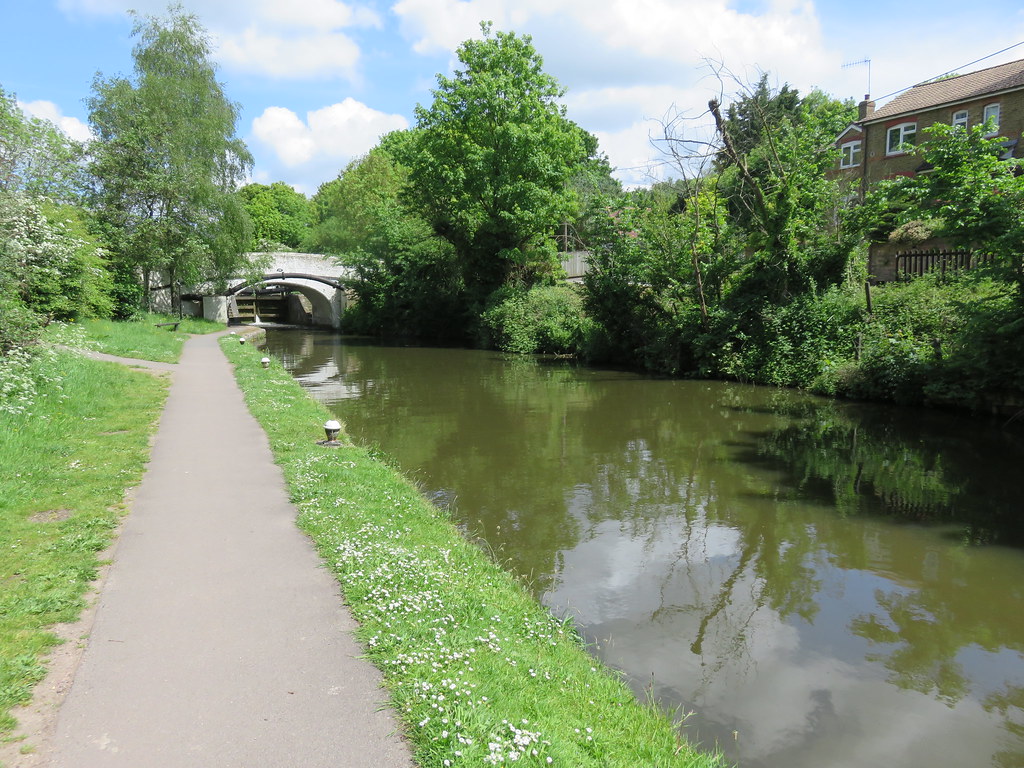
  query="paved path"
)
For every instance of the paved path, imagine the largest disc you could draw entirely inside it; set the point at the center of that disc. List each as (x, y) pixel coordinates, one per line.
(219, 640)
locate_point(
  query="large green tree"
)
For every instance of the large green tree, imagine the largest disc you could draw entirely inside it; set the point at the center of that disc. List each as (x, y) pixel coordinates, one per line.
(492, 162)
(773, 150)
(693, 275)
(972, 196)
(166, 162)
(280, 215)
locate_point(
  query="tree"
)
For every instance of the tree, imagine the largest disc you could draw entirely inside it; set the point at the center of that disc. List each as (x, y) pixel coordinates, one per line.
(406, 278)
(750, 118)
(694, 274)
(51, 264)
(973, 199)
(662, 259)
(36, 158)
(280, 215)
(347, 209)
(592, 181)
(166, 161)
(774, 151)
(492, 160)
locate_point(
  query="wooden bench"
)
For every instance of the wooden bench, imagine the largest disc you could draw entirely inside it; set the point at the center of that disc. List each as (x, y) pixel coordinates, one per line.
(174, 325)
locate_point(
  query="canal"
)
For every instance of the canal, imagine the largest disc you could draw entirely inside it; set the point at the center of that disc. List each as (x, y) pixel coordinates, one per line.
(813, 583)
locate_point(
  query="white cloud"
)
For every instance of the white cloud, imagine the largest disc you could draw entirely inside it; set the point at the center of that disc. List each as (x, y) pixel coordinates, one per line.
(629, 62)
(331, 135)
(440, 25)
(47, 110)
(629, 125)
(312, 14)
(281, 129)
(311, 55)
(619, 106)
(315, 14)
(633, 156)
(298, 39)
(671, 30)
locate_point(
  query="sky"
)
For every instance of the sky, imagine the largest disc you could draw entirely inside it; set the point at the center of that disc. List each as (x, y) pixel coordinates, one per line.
(319, 81)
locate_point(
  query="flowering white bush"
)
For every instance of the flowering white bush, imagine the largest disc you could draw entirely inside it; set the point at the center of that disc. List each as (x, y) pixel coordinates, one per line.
(25, 371)
(51, 268)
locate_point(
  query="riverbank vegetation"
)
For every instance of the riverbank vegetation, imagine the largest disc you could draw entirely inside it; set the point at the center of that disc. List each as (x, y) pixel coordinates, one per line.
(74, 436)
(478, 671)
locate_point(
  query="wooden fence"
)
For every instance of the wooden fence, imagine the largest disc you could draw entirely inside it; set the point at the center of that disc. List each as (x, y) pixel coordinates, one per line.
(910, 264)
(575, 264)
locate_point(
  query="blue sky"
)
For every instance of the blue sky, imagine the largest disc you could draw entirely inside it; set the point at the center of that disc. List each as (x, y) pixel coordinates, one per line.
(320, 80)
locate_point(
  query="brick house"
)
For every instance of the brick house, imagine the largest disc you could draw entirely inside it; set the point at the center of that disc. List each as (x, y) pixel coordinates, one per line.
(875, 146)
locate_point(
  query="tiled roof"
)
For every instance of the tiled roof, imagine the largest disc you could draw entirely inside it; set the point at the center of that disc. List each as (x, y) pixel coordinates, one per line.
(954, 89)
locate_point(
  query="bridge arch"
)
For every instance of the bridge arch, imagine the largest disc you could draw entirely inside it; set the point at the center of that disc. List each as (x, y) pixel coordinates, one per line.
(281, 277)
(326, 295)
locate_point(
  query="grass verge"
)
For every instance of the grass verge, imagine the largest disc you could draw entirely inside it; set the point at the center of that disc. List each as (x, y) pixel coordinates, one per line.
(68, 455)
(480, 673)
(142, 339)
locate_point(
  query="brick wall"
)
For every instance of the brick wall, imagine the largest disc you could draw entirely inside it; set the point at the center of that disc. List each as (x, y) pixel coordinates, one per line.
(880, 165)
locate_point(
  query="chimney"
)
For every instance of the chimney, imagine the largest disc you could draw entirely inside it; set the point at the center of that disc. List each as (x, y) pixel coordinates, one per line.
(866, 108)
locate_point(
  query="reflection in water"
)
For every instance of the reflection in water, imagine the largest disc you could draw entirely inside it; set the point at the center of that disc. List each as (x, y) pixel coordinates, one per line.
(819, 583)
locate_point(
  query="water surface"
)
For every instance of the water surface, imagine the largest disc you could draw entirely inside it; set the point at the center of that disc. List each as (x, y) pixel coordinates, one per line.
(816, 583)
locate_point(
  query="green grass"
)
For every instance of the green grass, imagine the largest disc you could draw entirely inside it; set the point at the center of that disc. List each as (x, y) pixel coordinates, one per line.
(141, 339)
(479, 672)
(67, 456)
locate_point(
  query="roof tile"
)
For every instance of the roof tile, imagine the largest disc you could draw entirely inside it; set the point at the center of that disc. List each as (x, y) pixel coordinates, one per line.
(953, 90)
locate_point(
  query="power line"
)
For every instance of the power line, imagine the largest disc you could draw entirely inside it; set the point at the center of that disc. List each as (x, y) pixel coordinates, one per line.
(952, 71)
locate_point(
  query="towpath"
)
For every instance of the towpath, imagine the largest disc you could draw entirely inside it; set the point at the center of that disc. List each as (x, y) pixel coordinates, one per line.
(219, 640)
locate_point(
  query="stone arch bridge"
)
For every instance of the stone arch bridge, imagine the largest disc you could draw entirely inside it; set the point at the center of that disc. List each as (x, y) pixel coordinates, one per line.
(314, 277)
(317, 279)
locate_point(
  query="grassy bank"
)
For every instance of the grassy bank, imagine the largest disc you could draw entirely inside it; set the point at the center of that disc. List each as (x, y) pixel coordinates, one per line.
(480, 673)
(73, 438)
(142, 339)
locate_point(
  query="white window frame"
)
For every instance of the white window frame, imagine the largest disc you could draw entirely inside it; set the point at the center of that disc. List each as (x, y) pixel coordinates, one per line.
(851, 152)
(991, 112)
(960, 118)
(906, 132)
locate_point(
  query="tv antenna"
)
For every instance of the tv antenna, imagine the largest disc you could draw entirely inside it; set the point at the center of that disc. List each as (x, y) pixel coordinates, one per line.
(857, 64)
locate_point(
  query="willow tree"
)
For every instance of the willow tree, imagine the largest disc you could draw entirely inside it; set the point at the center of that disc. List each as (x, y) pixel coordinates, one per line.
(492, 162)
(166, 162)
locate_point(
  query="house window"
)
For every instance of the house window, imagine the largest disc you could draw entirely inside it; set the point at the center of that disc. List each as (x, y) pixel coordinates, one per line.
(992, 113)
(850, 157)
(960, 118)
(898, 136)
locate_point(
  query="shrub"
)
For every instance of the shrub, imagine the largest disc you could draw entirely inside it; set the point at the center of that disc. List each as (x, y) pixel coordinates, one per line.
(543, 319)
(50, 268)
(985, 359)
(797, 344)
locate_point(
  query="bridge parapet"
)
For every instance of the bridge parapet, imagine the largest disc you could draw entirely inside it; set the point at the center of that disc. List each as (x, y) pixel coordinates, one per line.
(310, 263)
